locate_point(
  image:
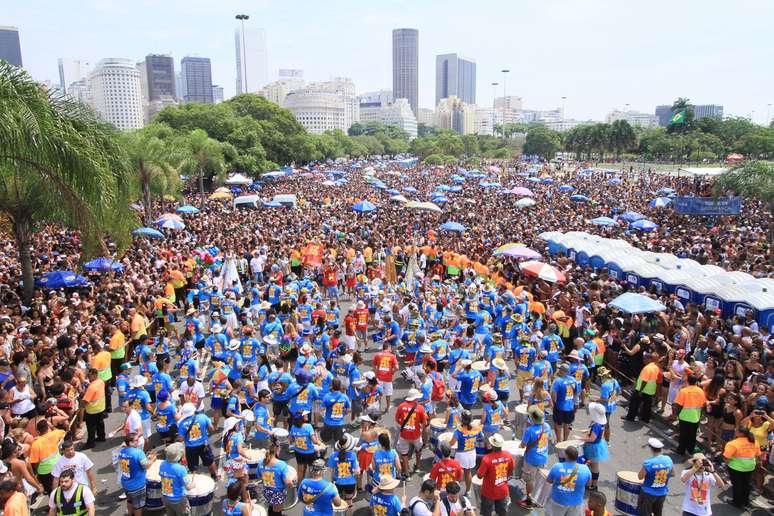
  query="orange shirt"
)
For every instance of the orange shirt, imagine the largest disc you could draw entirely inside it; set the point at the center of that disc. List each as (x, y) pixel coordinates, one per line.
(46, 445)
(16, 505)
(138, 326)
(101, 360)
(95, 397)
(117, 341)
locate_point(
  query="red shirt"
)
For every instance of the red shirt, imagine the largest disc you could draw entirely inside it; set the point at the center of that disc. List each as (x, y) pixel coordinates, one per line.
(318, 315)
(385, 365)
(444, 471)
(412, 430)
(361, 316)
(329, 277)
(495, 470)
(349, 326)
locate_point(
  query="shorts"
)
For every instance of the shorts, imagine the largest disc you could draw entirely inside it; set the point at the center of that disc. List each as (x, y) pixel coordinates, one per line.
(346, 492)
(529, 472)
(333, 291)
(280, 408)
(403, 446)
(136, 497)
(499, 506)
(350, 341)
(361, 334)
(147, 431)
(564, 417)
(554, 509)
(467, 459)
(194, 453)
(386, 388)
(179, 508)
(357, 406)
(332, 433)
(305, 458)
(169, 435)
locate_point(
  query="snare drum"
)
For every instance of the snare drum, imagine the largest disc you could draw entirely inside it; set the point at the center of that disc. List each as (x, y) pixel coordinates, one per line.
(153, 487)
(340, 509)
(282, 436)
(627, 492)
(258, 510)
(200, 495)
(292, 497)
(256, 457)
(445, 437)
(437, 427)
(562, 446)
(515, 450)
(480, 366)
(522, 420)
(542, 488)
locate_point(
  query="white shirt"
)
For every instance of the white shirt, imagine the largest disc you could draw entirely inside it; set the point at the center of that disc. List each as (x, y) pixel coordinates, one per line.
(79, 463)
(196, 393)
(88, 496)
(456, 508)
(420, 507)
(133, 424)
(698, 494)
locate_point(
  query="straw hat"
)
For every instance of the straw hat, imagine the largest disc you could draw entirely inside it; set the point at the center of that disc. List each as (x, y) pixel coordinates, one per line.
(349, 445)
(603, 372)
(233, 345)
(500, 364)
(496, 440)
(216, 328)
(386, 483)
(230, 423)
(535, 414)
(138, 381)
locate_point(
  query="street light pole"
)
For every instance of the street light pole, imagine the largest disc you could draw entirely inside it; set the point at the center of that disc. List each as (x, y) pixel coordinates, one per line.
(505, 95)
(768, 114)
(494, 97)
(564, 105)
(242, 18)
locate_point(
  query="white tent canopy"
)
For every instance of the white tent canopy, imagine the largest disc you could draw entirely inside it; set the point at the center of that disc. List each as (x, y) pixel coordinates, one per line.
(702, 171)
(238, 179)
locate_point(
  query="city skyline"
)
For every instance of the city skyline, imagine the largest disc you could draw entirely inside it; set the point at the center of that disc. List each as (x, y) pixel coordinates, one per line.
(651, 63)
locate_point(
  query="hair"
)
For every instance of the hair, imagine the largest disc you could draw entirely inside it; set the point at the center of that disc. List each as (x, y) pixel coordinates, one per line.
(342, 451)
(129, 438)
(42, 426)
(67, 443)
(453, 487)
(427, 486)
(692, 379)
(227, 437)
(746, 432)
(445, 450)
(234, 491)
(467, 419)
(67, 473)
(571, 453)
(598, 497)
(272, 451)
(384, 441)
(298, 420)
(7, 485)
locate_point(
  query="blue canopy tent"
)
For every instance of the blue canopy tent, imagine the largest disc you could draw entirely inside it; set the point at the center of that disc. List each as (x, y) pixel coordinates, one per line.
(534, 180)
(632, 303)
(604, 221)
(566, 188)
(148, 232)
(632, 216)
(443, 188)
(392, 191)
(454, 227)
(547, 181)
(60, 279)
(103, 265)
(409, 189)
(272, 204)
(666, 191)
(615, 181)
(364, 207)
(172, 224)
(439, 200)
(579, 198)
(455, 189)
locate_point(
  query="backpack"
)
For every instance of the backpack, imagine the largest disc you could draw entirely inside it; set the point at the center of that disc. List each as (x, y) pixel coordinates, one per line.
(463, 502)
(439, 388)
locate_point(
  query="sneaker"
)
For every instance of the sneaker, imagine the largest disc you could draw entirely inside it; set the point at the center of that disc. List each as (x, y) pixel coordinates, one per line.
(525, 504)
(122, 496)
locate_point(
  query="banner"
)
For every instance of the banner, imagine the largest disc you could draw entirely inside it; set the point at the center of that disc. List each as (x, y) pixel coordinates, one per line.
(709, 206)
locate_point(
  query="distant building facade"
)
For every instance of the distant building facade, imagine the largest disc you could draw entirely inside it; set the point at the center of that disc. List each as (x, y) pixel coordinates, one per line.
(217, 94)
(426, 116)
(10, 46)
(277, 91)
(633, 117)
(664, 113)
(291, 73)
(452, 113)
(70, 71)
(405, 66)
(325, 106)
(455, 76)
(397, 113)
(252, 63)
(196, 79)
(116, 93)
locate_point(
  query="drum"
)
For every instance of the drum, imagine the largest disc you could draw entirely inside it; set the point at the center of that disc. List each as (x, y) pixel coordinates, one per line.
(258, 510)
(282, 436)
(292, 497)
(560, 447)
(200, 495)
(340, 509)
(627, 492)
(437, 427)
(542, 488)
(515, 450)
(522, 420)
(256, 457)
(153, 487)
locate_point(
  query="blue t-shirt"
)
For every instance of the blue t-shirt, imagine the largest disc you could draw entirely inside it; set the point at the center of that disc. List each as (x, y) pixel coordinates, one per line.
(609, 392)
(232, 446)
(567, 489)
(384, 463)
(166, 417)
(383, 504)
(525, 357)
(262, 419)
(553, 345)
(467, 439)
(537, 455)
(162, 382)
(343, 471)
(131, 464)
(301, 439)
(172, 480)
(469, 383)
(493, 417)
(658, 470)
(302, 398)
(232, 508)
(194, 429)
(273, 476)
(336, 405)
(323, 505)
(564, 388)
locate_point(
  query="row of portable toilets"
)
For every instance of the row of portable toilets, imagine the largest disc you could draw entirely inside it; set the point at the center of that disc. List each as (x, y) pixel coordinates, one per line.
(733, 293)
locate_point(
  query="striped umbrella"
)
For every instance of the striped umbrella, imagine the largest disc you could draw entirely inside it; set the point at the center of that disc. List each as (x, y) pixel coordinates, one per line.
(543, 271)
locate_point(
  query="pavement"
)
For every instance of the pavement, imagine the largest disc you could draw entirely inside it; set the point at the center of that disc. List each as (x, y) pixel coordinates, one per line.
(627, 448)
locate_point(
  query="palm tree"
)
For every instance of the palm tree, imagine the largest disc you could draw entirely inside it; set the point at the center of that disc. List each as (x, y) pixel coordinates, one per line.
(58, 164)
(202, 154)
(621, 136)
(151, 158)
(753, 180)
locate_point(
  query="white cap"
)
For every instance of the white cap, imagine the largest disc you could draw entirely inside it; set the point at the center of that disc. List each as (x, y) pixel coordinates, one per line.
(655, 443)
(413, 395)
(188, 410)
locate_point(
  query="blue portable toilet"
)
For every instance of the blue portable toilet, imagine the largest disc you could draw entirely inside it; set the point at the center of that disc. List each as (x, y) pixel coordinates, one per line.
(620, 265)
(700, 287)
(763, 303)
(671, 280)
(602, 256)
(644, 274)
(732, 301)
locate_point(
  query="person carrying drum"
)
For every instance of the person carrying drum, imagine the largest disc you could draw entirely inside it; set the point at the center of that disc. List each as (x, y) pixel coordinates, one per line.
(175, 481)
(345, 470)
(535, 441)
(318, 495)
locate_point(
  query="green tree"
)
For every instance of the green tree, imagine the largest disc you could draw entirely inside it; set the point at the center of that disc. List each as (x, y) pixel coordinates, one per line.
(683, 105)
(621, 137)
(356, 129)
(753, 180)
(542, 142)
(424, 130)
(203, 155)
(58, 164)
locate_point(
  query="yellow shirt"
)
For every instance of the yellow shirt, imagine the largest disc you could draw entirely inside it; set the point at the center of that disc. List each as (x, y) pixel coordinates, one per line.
(761, 433)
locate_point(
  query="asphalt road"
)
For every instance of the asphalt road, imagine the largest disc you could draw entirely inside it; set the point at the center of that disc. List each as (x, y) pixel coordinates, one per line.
(627, 451)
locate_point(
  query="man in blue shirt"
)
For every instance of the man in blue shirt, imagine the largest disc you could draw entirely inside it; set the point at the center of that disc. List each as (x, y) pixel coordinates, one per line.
(552, 344)
(195, 429)
(535, 441)
(655, 474)
(608, 396)
(132, 464)
(568, 484)
(470, 380)
(563, 397)
(318, 494)
(336, 405)
(175, 480)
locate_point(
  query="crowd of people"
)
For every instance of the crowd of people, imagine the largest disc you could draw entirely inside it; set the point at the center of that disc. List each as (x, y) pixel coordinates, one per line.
(262, 351)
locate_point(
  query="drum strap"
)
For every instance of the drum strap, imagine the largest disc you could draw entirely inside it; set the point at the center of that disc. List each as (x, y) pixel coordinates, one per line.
(408, 416)
(318, 495)
(536, 441)
(571, 477)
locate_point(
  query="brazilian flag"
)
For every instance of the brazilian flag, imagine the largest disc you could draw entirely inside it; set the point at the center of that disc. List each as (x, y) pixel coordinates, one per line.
(677, 118)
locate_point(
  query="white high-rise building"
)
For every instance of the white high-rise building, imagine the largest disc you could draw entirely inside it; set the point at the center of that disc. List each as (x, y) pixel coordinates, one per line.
(633, 117)
(426, 116)
(252, 62)
(116, 93)
(70, 71)
(396, 113)
(323, 106)
(80, 91)
(277, 91)
(217, 94)
(484, 118)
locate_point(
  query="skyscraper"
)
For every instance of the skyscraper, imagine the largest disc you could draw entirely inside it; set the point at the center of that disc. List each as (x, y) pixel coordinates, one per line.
(160, 76)
(10, 48)
(664, 113)
(405, 66)
(196, 79)
(217, 94)
(455, 76)
(70, 71)
(251, 63)
(116, 93)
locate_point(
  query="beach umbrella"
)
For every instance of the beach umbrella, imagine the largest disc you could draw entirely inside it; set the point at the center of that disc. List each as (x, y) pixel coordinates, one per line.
(425, 206)
(392, 191)
(455, 189)
(329, 183)
(547, 181)
(410, 189)
(455, 227)
(398, 198)
(579, 198)
(566, 188)
(644, 225)
(236, 189)
(660, 202)
(148, 232)
(524, 192)
(238, 179)
(168, 216)
(188, 209)
(522, 252)
(172, 224)
(272, 204)
(219, 196)
(439, 199)
(604, 221)
(525, 202)
(632, 303)
(507, 246)
(222, 189)
(615, 181)
(666, 191)
(103, 265)
(443, 188)
(632, 216)
(457, 178)
(543, 271)
(364, 207)
(534, 179)
(60, 279)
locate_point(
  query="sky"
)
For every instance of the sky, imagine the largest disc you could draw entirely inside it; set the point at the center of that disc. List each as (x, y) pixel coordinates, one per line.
(600, 54)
